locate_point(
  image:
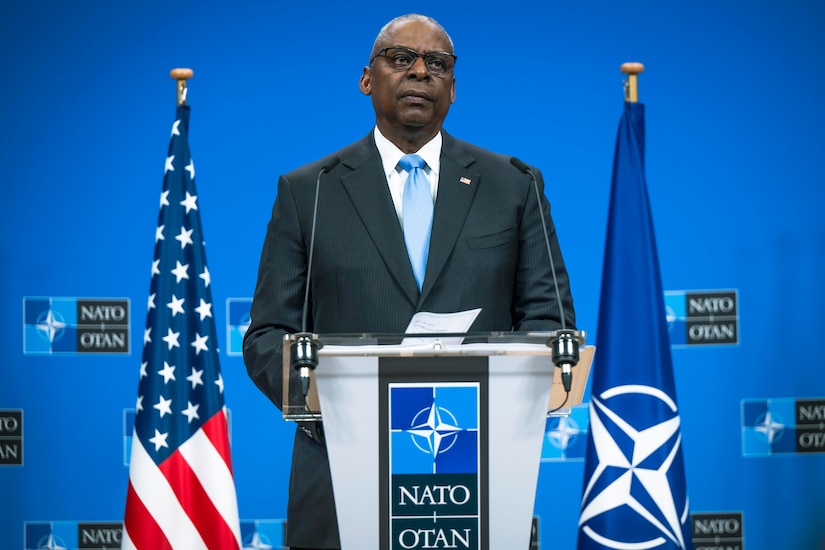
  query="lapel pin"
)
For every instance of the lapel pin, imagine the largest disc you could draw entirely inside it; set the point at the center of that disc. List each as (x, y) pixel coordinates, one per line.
(465, 181)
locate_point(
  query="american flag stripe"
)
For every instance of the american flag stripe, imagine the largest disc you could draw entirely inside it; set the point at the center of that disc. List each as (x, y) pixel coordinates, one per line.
(216, 431)
(201, 462)
(153, 493)
(149, 535)
(195, 502)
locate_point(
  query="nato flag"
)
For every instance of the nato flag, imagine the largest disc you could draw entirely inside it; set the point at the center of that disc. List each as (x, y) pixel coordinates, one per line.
(634, 493)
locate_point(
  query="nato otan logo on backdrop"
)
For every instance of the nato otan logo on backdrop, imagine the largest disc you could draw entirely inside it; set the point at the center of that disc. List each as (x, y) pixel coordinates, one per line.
(565, 437)
(237, 322)
(702, 317)
(718, 530)
(11, 437)
(66, 535)
(71, 534)
(783, 426)
(263, 534)
(69, 326)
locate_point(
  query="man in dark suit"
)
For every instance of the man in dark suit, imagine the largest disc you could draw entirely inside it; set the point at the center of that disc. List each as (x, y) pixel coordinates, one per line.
(486, 244)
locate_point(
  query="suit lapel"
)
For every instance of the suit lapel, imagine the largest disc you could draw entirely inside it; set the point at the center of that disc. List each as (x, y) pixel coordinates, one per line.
(366, 185)
(456, 188)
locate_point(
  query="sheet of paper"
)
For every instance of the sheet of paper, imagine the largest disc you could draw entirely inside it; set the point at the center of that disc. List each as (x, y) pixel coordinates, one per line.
(425, 323)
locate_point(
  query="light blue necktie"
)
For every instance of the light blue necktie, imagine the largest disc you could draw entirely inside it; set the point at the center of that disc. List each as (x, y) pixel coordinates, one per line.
(417, 214)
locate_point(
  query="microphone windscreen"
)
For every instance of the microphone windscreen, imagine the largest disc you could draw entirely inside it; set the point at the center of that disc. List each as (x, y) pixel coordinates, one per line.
(520, 165)
(330, 164)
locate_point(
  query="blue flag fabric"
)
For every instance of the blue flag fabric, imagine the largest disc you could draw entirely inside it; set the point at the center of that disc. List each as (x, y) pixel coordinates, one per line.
(634, 492)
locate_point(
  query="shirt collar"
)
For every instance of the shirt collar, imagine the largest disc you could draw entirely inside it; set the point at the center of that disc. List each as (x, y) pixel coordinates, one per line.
(390, 154)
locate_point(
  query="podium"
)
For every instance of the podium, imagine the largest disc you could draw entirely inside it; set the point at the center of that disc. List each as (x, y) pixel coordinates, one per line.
(433, 443)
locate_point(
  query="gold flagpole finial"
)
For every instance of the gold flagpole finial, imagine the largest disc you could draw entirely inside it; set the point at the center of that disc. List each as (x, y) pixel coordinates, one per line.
(181, 75)
(631, 85)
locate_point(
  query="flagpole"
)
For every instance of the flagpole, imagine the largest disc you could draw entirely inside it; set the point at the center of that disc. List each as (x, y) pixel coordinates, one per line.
(631, 85)
(181, 75)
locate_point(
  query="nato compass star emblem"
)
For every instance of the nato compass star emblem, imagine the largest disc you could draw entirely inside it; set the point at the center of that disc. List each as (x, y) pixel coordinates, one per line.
(51, 542)
(257, 542)
(564, 433)
(50, 325)
(770, 426)
(670, 317)
(243, 326)
(635, 433)
(434, 430)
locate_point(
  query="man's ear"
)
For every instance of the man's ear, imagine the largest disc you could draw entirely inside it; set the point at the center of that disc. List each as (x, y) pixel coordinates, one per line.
(452, 92)
(365, 84)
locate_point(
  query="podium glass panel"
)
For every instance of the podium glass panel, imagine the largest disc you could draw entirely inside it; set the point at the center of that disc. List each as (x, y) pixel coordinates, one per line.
(296, 408)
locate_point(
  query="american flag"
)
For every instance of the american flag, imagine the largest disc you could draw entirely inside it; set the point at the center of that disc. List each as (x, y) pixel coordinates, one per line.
(181, 490)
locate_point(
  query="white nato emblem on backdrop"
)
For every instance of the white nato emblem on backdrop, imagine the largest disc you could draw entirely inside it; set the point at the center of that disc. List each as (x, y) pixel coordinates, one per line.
(670, 317)
(50, 325)
(257, 542)
(51, 542)
(564, 434)
(770, 426)
(237, 324)
(434, 430)
(629, 450)
(246, 320)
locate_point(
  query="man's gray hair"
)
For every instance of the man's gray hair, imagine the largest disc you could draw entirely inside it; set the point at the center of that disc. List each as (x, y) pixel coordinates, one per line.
(381, 39)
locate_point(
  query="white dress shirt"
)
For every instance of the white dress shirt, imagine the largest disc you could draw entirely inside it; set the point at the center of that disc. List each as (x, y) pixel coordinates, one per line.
(397, 177)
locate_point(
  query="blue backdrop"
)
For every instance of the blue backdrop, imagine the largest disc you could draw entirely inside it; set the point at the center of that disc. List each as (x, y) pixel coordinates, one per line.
(735, 169)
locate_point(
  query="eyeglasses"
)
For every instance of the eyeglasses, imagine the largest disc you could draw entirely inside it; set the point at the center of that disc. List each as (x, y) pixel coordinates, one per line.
(401, 59)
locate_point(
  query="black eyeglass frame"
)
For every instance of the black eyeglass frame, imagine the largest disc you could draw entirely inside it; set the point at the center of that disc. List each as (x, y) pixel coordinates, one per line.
(415, 55)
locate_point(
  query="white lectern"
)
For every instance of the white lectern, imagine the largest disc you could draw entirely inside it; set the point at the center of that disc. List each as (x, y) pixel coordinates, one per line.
(434, 444)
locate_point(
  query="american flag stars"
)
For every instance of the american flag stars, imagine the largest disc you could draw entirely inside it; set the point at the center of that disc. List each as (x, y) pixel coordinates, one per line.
(180, 331)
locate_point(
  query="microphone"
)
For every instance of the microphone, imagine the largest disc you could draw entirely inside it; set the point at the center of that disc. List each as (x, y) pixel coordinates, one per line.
(565, 345)
(303, 354)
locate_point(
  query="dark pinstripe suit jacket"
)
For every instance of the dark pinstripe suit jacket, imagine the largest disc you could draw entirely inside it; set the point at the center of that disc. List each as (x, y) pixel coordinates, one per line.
(487, 251)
